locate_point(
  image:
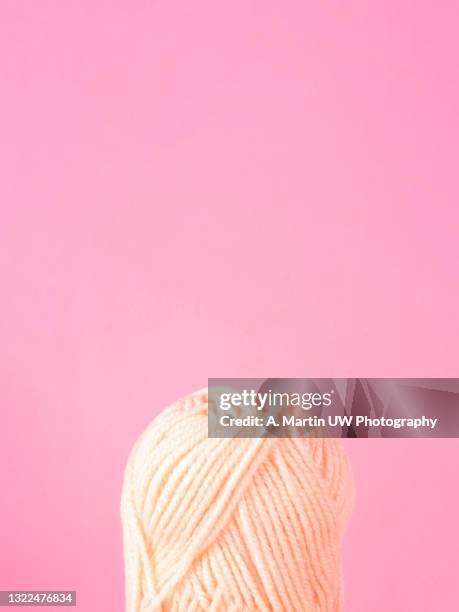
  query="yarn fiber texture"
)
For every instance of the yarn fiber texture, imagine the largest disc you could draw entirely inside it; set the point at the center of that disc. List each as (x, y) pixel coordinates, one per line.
(232, 524)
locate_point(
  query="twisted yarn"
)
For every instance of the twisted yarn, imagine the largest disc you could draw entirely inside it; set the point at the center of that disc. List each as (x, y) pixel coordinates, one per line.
(232, 524)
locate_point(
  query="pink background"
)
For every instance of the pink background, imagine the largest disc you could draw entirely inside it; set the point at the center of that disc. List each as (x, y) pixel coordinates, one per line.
(194, 189)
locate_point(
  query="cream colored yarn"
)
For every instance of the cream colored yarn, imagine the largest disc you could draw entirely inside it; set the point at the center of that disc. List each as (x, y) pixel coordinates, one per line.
(232, 524)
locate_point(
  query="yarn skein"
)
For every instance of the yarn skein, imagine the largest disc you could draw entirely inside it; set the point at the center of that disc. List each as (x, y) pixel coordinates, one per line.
(232, 524)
